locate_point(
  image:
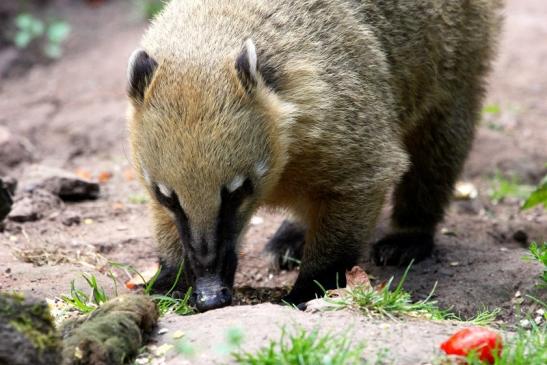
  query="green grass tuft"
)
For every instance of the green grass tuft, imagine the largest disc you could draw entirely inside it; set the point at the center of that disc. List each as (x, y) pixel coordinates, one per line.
(385, 302)
(87, 303)
(303, 348)
(83, 302)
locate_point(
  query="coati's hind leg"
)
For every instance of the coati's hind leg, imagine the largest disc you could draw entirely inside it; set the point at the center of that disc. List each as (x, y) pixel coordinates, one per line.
(171, 256)
(438, 148)
(286, 246)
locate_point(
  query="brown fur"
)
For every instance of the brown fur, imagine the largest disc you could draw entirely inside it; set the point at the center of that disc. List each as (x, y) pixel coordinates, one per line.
(353, 98)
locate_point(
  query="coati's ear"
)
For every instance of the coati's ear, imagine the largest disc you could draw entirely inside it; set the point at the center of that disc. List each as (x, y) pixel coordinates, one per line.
(140, 71)
(247, 65)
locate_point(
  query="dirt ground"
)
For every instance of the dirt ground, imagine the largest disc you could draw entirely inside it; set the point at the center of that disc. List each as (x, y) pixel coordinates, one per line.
(73, 114)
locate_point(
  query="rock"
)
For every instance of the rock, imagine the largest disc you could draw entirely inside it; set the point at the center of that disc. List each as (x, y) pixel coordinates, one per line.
(64, 184)
(10, 183)
(5, 200)
(27, 332)
(13, 150)
(33, 206)
(71, 219)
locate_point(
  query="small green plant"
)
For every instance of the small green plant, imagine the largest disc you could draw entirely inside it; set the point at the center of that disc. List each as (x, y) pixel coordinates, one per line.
(490, 113)
(539, 253)
(538, 196)
(483, 318)
(87, 303)
(166, 303)
(83, 302)
(494, 109)
(52, 34)
(138, 199)
(508, 188)
(303, 348)
(524, 348)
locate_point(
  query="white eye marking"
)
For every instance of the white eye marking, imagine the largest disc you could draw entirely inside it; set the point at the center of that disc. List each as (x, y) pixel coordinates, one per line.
(261, 168)
(235, 183)
(146, 177)
(165, 190)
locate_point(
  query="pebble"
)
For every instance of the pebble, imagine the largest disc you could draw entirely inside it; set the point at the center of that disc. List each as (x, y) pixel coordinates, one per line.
(524, 323)
(62, 183)
(13, 150)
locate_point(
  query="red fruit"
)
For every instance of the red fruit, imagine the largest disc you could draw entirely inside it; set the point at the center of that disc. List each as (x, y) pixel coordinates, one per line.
(486, 343)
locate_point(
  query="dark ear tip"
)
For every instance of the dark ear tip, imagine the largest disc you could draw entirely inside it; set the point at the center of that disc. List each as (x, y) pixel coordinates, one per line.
(140, 71)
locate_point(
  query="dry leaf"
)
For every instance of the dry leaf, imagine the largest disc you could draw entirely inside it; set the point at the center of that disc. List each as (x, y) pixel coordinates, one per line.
(104, 176)
(83, 174)
(129, 174)
(337, 293)
(118, 206)
(137, 280)
(357, 277)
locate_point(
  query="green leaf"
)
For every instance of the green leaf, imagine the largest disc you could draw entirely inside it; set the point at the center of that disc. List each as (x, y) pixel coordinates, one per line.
(53, 50)
(538, 196)
(36, 28)
(58, 31)
(491, 109)
(22, 39)
(24, 21)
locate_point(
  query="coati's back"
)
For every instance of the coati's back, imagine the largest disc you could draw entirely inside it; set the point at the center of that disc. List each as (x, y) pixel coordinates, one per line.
(427, 48)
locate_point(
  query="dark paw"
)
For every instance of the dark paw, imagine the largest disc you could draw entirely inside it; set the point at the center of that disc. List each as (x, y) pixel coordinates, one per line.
(299, 298)
(285, 247)
(308, 287)
(401, 248)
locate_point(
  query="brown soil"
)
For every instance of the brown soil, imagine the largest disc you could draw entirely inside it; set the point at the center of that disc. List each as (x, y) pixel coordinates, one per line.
(72, 112)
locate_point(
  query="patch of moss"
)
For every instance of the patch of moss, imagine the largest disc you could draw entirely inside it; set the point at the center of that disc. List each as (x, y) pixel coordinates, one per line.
(31, 318)
(42, 341)
(112, 334)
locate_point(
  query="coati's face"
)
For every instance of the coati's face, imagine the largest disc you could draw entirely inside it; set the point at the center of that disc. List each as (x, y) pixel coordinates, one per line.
(202, 140)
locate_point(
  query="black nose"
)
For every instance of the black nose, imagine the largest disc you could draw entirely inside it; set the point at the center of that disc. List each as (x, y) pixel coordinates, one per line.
(213, 299)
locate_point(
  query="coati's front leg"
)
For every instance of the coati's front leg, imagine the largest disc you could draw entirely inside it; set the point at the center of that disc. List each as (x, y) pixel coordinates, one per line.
(171, 255)
(286, 246)
(337, 232)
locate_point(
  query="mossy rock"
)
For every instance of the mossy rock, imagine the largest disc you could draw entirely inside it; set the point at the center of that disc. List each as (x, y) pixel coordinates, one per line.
(112, 334)
(27, 332)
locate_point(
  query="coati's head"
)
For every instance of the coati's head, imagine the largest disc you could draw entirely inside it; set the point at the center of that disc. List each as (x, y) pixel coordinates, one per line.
(206, 138)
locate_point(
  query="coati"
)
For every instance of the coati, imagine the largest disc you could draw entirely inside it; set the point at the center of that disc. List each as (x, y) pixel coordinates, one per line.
(319, 107)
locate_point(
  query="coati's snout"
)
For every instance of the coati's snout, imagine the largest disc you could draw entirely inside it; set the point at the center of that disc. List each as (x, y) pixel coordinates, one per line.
(210, 250)
(210, 293)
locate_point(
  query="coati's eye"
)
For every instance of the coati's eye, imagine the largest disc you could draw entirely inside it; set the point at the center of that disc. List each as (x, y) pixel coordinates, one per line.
(237, 190)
